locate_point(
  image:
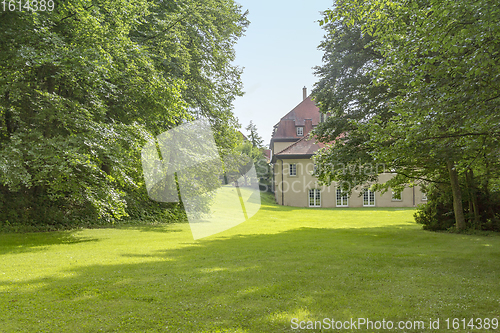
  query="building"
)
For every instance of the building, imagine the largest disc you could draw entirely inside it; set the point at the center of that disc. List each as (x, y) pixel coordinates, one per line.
(292, 149)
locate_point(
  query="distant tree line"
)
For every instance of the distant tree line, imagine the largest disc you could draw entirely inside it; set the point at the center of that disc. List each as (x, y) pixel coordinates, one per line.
(254, 148)
(415, 85)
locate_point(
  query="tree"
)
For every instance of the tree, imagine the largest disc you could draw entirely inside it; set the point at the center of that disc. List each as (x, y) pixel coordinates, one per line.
(347, 93)
(254, 150)
(440, 65)
(254, 137)
(82, 89)
(193, 41)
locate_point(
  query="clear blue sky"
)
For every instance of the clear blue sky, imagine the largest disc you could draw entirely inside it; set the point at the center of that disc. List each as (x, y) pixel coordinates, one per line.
(277, 53)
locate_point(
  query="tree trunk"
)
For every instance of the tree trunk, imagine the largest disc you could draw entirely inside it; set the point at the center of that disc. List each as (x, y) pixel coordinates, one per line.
(457, 196)
(9, 122)
(473, 196)
(489, 208)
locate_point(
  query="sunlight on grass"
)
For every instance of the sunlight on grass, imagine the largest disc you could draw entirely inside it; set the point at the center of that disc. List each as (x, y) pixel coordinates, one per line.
(283, 263)
(272, 219)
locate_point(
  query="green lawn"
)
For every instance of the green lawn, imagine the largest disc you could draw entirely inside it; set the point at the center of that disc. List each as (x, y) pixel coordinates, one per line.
(283, 263)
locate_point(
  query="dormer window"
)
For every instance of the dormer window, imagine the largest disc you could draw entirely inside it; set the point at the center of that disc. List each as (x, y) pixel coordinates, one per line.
(300, 131)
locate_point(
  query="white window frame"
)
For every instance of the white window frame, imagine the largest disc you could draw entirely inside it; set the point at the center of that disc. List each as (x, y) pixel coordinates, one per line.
(314, 197)
(344, 199)
(368, 194)
(300, 131)
(424, 196)
(393, 198)
(292, 169)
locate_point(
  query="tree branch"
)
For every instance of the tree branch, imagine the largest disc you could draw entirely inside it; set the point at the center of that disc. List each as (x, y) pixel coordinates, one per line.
(462, 135)
(490, 99)
(420, 178)
(69, 16)
(171, 25)
(166, 29)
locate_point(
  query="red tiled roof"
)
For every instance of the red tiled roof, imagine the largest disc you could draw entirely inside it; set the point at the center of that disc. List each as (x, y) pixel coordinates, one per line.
(305, 114)
(305, 146)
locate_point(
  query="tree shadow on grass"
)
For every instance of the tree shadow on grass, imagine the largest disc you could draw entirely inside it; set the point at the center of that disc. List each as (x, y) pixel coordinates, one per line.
(31, 242)
(258, 283)
(161, 228)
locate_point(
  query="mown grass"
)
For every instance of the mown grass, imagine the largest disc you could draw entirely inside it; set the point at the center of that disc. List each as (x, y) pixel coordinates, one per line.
(283, 263)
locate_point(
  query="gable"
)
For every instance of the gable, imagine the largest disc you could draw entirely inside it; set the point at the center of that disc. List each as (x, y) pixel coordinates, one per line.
(305, 115)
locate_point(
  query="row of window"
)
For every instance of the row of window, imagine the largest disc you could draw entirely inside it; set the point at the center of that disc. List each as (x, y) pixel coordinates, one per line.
(343, 200)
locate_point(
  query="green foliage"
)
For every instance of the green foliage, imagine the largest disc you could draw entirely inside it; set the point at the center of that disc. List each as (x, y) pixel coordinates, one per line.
(254, 149)
(249, 153)
(253, 136)
(413, 86)
(82, 88)
(347, 95)
(437, 213)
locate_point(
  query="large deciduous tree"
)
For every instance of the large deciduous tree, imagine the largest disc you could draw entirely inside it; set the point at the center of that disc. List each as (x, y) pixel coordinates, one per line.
(84, 86)
(439, 75)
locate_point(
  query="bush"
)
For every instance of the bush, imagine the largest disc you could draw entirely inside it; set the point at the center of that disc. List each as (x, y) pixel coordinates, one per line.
(437, 213)
(33, 210)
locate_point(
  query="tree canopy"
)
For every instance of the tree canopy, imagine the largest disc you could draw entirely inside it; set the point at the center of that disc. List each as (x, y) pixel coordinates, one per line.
(253, 136)
(85, 86)
(415, 86)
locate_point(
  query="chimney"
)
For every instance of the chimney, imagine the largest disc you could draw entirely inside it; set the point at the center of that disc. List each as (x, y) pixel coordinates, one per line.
(304, 93)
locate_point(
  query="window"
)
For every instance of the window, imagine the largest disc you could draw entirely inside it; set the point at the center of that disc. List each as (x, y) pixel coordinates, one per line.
(368, 198)
(293, 170)
(342, 198)
(396, 196)
(314, 198)
(300, 131)
(424, 197)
